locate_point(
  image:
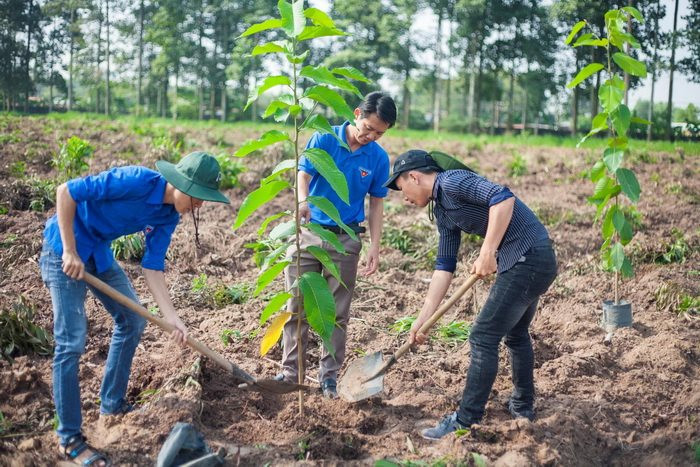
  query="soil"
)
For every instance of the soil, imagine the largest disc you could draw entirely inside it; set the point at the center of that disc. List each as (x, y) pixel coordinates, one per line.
(635, 401)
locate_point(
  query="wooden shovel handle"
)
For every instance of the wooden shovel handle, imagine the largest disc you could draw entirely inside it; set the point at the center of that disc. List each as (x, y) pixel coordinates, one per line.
(440, 311)
(164, 325)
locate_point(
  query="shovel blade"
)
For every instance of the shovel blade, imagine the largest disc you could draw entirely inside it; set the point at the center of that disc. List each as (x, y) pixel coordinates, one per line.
(354, 387)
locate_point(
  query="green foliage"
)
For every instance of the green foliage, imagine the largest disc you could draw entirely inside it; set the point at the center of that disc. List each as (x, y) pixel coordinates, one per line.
(18, 169)
(232, 295)
(42, 193)
(19, 335)
(129, 247)
(676, 250)
(169, 149)
(671, 297)
(200, 284)
(454, 332)
(229, 336)
(230, 170)
(696, 451)
(517, 166)
(71, 160)
(5, 424)
(611, 179)
(398, 239)
(146, 396)
(402, 325)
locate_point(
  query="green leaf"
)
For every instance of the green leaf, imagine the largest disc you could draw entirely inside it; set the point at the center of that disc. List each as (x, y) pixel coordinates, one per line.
(632, 11)
(622, 226)
(640, 120)
(332, 99)
(328, 209)
(327, 236)
(319, 123)
(324, 163)
(264, 26)
(319, 18)
(610, 94)
(583, 37)
(283, 101)
(577, 27)
(608, 228)
(587, 71)
(619, 142)
(621, 117)
(270, 82)
(617, 255)
(274, 305)
(613, 158)
(626, 268)
(267, 139)
(592, 42)
(630, 65)
(629, 38)
(269, 275)
(283, 230)
(293, 20)
(597, 171)
(352, 73)
(605, 187)
(269, 48)
(312, 32)
(319, 305)
(269, 219)
(321, 75)
(327, 262)
(628, 182)
(279, 169)
(297, 59)
(273, 256)
(257, 198)
(600, 122)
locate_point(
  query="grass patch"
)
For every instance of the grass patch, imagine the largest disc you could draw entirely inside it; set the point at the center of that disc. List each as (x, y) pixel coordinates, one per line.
(19, 335)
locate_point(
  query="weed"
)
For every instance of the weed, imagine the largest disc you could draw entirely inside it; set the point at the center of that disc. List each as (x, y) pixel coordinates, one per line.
(5, 423)
(232, 295)
(42, 194)
(517, 166)
(153, 310)
(696, 451)
(71, 161)
(398, 239)
(168, 148)
(230, 169)
(303, 446)
(19, 334)
(633, 216)
(18, 169)
(4, 209)
(200, 284)
(146, 395)
(671, 297)
(14, 137)
(552, 216)
(129, 247)
(228, 336)
(674, 188)
(402, 325)
(676, 251)
(454, 333)
(9, 241)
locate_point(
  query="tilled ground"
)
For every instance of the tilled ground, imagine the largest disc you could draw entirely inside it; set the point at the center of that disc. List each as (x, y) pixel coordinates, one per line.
(635, 402)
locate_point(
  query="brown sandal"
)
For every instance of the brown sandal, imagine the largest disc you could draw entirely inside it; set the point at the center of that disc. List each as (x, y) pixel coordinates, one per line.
(77, 445)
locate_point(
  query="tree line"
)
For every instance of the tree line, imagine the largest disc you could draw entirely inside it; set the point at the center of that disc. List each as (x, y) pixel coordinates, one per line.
(459, 65)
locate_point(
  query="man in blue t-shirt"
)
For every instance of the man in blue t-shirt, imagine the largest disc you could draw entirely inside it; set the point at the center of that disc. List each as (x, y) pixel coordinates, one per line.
(366, 167)
(516, 246)
(90, 213)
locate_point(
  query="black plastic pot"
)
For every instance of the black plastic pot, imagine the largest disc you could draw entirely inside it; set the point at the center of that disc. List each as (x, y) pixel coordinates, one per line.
(616, 315)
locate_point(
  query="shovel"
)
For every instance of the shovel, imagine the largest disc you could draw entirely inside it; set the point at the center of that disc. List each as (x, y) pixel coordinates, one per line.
(250, 382)
(365, 376)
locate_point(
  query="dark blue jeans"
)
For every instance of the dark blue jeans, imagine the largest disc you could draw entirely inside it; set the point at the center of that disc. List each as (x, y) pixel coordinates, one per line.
(507, 313)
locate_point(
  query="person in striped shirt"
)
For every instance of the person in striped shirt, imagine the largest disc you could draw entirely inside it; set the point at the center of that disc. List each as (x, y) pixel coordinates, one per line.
(516, 246)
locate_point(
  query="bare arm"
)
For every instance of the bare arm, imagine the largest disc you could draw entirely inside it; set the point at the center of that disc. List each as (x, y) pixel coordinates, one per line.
(303, 181)
(376, 215)
(436, 292)
(156, 283)
(65, 212)
(499, 219)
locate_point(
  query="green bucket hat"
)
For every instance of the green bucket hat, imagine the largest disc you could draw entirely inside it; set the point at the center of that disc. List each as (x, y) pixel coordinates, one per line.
(197, 175)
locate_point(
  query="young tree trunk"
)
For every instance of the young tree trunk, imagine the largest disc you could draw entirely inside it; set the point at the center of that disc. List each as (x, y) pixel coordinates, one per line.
(139, 86)
(223, 101)
(27, 55)
(406, 101)
(108, 95)
(650, 113)
(469, 107)
(594, 91)
(669, 106)
(448, 79)
(494, 116)
(98, 59)
(200, 87)
(177, 84)
(627, 51)
(436, 74)
(479, 78)
(70, 61)
(511, 91)
(574, 111)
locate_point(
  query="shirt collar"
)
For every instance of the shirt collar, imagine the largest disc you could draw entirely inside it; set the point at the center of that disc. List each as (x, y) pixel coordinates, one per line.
(344, 138)
(158, 192)
(436, 185)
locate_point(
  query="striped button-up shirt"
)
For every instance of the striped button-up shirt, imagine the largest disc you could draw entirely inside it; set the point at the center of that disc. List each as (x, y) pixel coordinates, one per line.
(462, 203)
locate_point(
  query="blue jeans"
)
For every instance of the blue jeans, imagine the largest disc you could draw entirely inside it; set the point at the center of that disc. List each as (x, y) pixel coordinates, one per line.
(70, 331)
(507, 313)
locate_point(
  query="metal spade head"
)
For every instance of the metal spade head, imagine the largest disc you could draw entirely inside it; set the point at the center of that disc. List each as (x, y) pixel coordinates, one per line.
(354, 387)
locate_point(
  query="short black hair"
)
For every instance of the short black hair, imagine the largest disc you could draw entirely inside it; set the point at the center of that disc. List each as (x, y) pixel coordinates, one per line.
(379, 103)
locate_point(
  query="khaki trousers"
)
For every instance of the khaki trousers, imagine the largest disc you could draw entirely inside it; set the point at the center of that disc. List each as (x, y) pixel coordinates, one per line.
(347, 265)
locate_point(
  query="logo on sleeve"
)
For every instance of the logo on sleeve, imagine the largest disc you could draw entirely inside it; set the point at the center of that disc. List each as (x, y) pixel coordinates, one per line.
(148, 229)
(364, 172)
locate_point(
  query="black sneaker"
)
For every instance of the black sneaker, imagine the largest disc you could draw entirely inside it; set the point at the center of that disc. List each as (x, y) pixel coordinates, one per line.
(521, 413)
(328, 386)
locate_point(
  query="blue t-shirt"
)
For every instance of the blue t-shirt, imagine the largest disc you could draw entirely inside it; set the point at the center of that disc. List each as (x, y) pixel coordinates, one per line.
(365, 170)
(118, 202)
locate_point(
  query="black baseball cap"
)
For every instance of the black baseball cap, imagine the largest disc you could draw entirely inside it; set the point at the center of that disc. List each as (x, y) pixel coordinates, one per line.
(410, 160)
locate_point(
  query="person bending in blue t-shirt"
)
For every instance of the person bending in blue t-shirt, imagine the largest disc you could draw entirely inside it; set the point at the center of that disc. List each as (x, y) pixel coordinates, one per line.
(516, 246)
(90, 213)
(366, 167)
